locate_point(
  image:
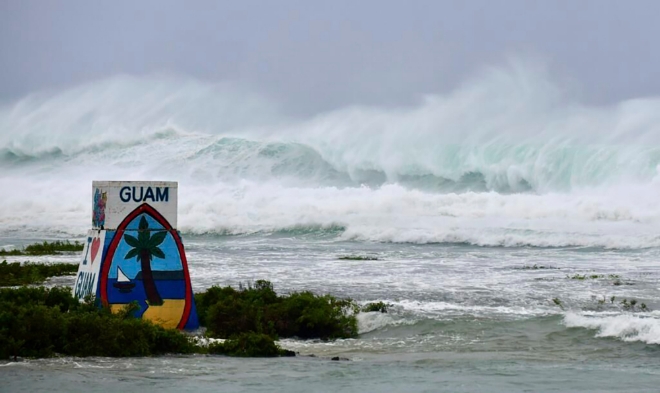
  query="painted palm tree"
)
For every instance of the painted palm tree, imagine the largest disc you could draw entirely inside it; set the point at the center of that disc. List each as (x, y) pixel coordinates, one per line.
(145, 247)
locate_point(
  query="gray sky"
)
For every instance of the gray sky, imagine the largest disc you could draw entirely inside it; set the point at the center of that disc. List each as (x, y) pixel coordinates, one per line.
(318, 55)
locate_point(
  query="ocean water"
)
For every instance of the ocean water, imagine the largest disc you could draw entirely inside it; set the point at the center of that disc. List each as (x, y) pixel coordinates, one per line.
(509, 223)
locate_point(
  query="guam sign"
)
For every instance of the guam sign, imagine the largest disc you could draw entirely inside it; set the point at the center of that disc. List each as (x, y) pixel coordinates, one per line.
(143, 258)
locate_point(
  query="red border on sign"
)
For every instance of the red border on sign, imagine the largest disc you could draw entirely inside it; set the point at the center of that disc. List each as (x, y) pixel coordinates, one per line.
(146, 208)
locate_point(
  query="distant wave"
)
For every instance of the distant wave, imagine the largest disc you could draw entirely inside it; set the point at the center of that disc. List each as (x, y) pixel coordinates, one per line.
(504, 160)
(503, 168)
(506, 130)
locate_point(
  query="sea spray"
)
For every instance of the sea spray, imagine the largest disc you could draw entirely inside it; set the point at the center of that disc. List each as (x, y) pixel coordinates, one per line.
(504, 160)
(510, 129)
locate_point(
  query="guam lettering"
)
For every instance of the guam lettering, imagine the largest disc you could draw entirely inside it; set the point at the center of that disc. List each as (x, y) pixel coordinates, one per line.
(144, 194)
(85, 283)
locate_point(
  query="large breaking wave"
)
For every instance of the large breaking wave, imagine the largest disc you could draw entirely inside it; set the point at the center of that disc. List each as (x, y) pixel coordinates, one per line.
(507, 159)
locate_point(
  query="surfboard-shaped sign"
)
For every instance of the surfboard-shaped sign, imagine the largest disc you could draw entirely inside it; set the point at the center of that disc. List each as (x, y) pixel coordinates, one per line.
(143, 258)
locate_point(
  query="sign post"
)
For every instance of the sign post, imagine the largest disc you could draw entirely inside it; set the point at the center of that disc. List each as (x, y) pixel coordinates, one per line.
(134, 253)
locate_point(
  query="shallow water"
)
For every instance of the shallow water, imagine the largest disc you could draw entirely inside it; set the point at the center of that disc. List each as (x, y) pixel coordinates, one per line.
(442, 371)
(462, 318)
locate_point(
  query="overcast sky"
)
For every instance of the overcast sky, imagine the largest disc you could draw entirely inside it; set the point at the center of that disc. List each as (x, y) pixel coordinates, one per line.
(318, 55)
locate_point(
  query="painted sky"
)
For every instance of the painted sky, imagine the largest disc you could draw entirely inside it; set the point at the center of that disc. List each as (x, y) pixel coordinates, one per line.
(315, 56)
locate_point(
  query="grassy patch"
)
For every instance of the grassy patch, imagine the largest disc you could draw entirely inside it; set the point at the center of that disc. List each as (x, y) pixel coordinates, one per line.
(376, 307)
(228, 312)
(631, 305)
(249, 345)
(45, 248)
(582, 277)
(558, 302)
(44, 322)
(611, 304)
(536, 267)
(15, 273)
(41, 322)
(357, 258)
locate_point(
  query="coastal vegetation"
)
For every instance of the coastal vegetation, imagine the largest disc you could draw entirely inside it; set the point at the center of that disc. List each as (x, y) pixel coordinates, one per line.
(42, 322)
(45, 248)
(249, 345)
(16, 273)
(610, 304)
(357, 258)
(615, 279)
(630, 305)
(227, 312)
(536, 267)
(583, 277)
(376, 307)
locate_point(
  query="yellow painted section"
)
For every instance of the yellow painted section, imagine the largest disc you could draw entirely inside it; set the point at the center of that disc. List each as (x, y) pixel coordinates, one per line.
(115, 308)
(167, 315)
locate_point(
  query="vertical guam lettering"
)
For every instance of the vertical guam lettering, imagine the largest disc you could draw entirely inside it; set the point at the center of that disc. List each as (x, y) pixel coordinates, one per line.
(84, 284)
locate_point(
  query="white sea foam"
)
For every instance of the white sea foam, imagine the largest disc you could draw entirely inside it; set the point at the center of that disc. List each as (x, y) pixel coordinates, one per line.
(504, 160)
(627, 327)
(370, 321)
(391, 213)
(436, 309)
(124, 111)
(376, 320)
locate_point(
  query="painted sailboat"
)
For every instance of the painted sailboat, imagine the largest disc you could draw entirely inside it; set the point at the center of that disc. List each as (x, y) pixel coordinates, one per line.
(123, 283)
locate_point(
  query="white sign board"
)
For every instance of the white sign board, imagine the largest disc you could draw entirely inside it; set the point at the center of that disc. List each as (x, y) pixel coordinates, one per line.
(112, 201)
(89, 268)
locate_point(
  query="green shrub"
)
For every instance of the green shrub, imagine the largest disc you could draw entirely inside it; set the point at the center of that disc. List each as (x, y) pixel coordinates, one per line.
(15, 273)
(46, 248)
(41, 322)
(120, 335)
(375, 307)
(249, 345)
(306, 315)
(11, 253)
(54, 297)
(227, 312)
(536, 267)
(55, 247)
